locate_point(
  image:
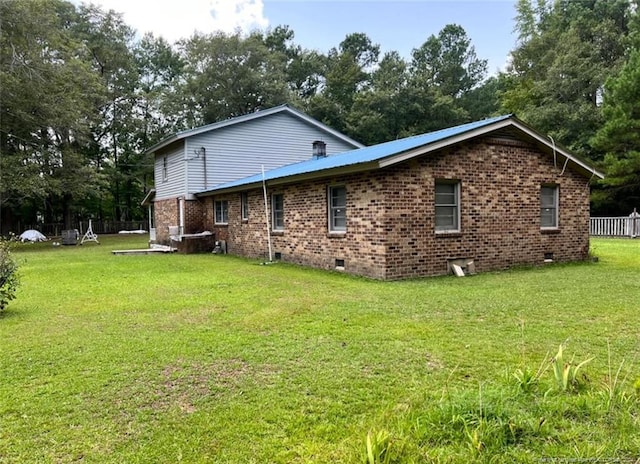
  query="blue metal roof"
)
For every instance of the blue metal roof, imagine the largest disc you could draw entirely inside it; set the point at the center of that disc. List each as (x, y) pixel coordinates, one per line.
(359, 156)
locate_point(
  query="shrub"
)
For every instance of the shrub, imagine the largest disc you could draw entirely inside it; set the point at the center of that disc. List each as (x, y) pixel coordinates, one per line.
(8, 274)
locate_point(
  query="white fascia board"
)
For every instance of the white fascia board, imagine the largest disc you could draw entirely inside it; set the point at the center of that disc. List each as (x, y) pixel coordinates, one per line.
(399, 158)
(482, 131)
(325, 128)
(552, 146)
(249, 117)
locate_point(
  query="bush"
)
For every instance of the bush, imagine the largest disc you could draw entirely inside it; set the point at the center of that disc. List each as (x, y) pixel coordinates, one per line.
(8, 274)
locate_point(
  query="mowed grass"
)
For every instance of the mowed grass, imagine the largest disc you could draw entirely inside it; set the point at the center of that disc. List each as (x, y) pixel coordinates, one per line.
(207, 358)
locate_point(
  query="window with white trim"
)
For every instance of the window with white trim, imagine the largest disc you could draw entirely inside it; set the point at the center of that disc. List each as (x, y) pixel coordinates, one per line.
(337, 209)
(549, 206)
(165, 169)
(447, 204)
(244, 205)
(277, 211)
(221, 208)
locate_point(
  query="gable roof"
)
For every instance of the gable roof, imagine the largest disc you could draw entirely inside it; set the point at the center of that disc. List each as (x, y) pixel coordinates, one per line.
(396, 151)
(249, 117)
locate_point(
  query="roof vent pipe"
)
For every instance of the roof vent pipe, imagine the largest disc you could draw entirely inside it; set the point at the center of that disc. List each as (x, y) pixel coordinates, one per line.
(319, 149)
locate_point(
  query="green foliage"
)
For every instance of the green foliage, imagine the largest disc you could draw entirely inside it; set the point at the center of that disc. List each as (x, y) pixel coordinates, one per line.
(566, 53)
(566, 372)
(170, 357)
(378, 447)
(8, 274)
(619, 138)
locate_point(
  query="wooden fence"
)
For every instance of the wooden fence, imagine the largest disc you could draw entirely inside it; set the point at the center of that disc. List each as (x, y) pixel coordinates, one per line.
(625, 226)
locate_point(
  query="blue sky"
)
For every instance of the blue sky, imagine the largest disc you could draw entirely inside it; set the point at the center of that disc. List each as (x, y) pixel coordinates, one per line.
(399, 25)
(323, 24)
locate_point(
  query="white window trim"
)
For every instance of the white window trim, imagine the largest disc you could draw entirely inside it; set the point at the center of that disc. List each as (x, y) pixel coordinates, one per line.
(215, 212)
(556, 200)
(457, 205)
(165, 168)
(330, 209)
(274, 227)
(244, 206)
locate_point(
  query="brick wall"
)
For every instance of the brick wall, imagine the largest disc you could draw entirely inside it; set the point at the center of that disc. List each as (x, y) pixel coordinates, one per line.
(390, 215)
(167, 213)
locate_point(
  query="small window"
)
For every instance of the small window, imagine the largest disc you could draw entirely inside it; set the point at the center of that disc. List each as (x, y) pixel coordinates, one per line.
(221, 212)
(165, 170)
(244, 204)
(549, 206)
(277, 211)
(337, 209)
(447, 206)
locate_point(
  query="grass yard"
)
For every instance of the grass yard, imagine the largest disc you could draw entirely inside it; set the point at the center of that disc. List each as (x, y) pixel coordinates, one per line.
(205, 358)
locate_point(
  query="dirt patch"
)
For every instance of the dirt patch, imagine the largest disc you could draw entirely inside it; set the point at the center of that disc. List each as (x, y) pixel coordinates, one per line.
(184, 385)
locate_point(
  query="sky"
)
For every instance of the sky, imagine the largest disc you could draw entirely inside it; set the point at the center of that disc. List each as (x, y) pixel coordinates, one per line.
(322, 24)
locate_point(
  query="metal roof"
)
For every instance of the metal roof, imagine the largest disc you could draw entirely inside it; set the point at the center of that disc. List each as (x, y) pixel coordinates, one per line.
(248, 117)
(388, 153)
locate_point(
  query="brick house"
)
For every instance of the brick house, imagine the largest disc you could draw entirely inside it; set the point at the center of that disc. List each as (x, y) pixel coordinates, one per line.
(489, 195)
(197, 159)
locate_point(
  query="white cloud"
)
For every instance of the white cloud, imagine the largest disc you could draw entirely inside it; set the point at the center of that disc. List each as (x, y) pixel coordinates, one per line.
(174, 20)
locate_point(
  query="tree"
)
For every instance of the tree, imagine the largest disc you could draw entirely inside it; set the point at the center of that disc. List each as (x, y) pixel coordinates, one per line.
(449, 62)
(48, 95)
(619, 138)
(347, 72)
(228, 75)
(567, 50)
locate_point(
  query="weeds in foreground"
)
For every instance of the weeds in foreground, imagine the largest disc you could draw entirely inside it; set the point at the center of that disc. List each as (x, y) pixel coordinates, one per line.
(378, 447)
(499, 425)
(566, 373)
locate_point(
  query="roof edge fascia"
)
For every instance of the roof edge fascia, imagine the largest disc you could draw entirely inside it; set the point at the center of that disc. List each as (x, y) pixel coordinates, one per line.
(511, 121)
(338, 171)
(249, 117)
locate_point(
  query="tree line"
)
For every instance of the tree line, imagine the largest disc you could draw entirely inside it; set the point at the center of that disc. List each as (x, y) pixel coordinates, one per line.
(82, 97)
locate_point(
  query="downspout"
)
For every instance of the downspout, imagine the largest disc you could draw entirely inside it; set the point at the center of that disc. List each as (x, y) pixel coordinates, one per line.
(203, 150)
(266, 212)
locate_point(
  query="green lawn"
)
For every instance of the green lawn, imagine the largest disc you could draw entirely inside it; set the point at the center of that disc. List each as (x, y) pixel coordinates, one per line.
(207, 358)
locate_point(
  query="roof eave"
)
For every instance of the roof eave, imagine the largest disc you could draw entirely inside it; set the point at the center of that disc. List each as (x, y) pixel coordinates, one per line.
(248, 117)
(147, 200)
(584, 168)
(331, 172)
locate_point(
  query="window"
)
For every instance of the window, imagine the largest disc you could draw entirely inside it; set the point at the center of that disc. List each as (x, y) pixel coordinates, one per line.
(337, 209)
(549, 206)
(277, 211)
(221, 212)
(447, 206)
(165, 171)
(244, 205)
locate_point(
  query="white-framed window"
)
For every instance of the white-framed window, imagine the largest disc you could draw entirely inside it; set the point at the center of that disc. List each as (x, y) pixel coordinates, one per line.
(337, 208)
(221, 209)
(277, 211)
(549, 206)
(244, 205)
(165, 168)
(447, 203)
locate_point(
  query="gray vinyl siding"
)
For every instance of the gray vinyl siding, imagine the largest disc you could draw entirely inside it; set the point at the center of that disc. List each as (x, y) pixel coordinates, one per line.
(173, 186)
(240, 150)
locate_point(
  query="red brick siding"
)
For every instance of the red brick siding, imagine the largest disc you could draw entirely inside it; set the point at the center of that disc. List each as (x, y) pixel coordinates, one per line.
(167, 213)
(390, 215)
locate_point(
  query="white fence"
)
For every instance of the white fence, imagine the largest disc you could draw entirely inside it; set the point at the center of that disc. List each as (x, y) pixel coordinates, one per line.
(625, 226)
